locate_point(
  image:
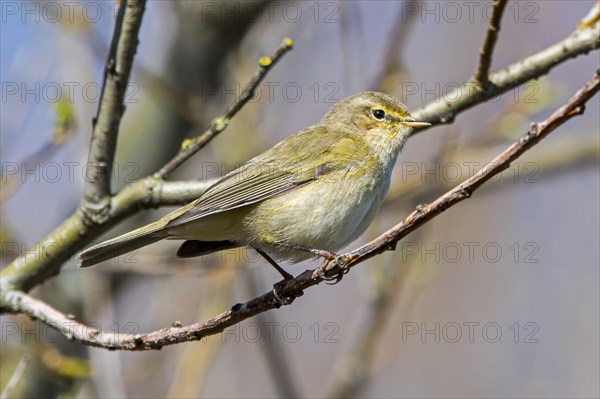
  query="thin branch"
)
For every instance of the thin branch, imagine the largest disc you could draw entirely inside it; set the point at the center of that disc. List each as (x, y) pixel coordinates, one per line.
(275, 353)
(172, 193)
(105, 125)
(558, 158)
(17, 301)
(390, 74)
(485, 54)
(15, 377)
(192, 146)
(444, 110)
(591, 17)
(63, 131)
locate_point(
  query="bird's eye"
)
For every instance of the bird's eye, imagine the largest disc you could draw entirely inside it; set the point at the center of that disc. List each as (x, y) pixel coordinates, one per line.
(379, 114)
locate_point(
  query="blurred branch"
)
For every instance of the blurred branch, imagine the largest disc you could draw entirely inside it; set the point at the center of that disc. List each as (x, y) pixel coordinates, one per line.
(390, 75)
(352, 373)
(15, 377)
(556, 158)
(105, 125)
(354, 370)
(64, 128)
(444, 110)
(485, 54)
(275, 355)
(195, 362)
(17, 301)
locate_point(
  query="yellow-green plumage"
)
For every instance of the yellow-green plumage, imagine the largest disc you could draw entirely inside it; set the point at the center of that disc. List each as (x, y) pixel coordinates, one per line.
(317, 189)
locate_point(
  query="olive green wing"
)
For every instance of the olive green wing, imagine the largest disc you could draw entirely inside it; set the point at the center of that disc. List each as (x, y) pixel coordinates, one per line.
(251, 183)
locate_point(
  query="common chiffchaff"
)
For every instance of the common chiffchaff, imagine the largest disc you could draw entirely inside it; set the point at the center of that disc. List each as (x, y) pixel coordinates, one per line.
(313, 193)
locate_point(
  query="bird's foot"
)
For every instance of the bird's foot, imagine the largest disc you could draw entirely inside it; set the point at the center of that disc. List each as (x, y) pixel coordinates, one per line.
(281, 299)
(342, 262)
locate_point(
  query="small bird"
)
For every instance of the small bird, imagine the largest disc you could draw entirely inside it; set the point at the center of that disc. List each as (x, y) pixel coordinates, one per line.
(310, 195)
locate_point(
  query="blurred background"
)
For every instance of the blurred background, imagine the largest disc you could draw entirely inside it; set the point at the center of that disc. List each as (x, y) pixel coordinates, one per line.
(497, 297)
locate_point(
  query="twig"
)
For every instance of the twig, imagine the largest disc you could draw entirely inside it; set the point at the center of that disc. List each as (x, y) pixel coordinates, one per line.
(169, 193)
(64, 129)
(190, 147)
(195, 363)
(485, 54)
(557, 158)
(15, 377)
(444, 110)
(275, 353)
(17, 301)
(105, 125)
(389, 76)
(591, 17)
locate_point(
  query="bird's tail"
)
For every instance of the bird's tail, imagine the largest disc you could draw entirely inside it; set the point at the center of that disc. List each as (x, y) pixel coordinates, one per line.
(135, 239)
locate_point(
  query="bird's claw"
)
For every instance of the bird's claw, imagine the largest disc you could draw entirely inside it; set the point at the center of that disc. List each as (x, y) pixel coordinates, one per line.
(280, 299)
(333, 280)
(343, 262)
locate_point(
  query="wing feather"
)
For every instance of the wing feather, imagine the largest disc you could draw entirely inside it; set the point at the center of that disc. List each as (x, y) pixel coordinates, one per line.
(262, 177)
(241, 188)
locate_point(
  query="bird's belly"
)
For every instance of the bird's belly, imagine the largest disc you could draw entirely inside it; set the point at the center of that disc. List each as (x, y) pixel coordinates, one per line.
(315, 216)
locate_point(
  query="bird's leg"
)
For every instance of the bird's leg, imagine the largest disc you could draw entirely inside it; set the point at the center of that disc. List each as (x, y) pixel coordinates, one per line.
(320, 271)
(319, 252)
(286, 275)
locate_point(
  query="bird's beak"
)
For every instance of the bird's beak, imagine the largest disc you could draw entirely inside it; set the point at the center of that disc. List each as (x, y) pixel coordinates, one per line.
(416, 124)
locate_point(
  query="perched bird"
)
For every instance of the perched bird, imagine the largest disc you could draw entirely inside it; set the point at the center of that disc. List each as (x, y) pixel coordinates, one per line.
(310, 195)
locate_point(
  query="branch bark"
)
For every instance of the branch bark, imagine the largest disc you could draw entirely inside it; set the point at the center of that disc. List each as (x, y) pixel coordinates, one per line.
(17, 301)
(485, 54)
(105, 125)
